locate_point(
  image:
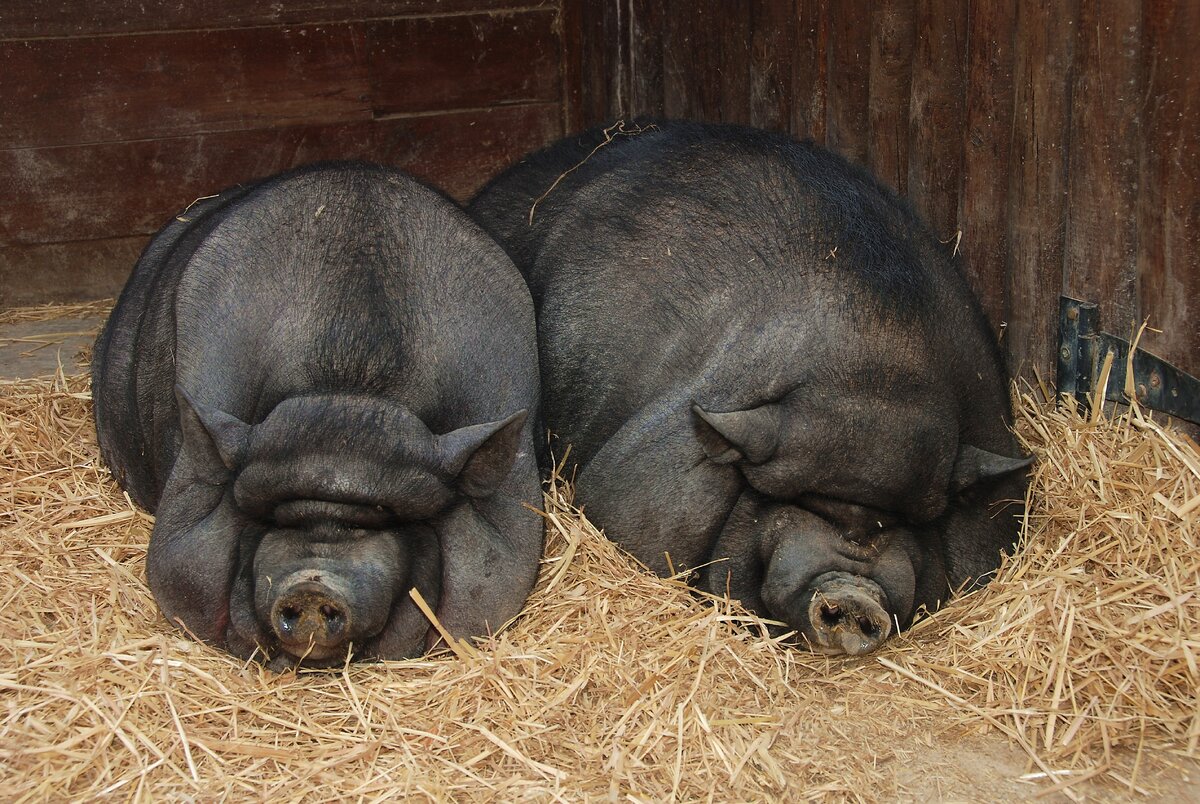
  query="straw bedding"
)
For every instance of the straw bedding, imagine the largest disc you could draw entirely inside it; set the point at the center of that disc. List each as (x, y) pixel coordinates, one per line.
(612, 684)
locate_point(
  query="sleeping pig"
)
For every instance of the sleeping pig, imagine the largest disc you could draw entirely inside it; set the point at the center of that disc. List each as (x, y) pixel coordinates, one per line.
(768, 370)
(323, 384)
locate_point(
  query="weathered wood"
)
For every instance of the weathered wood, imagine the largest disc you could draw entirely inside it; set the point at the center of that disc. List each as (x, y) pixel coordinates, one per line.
(646, 90)
(112, 88)
(570, 28)
(605, 63)
(848, 98)
(772, 49)
(987, 147)
(41, 18)
(439, 63)
(1101, 221)
(102, 191)
(1169, 183)
(937, 113)
(692, 62)
(1037, 191)
(892, 31)
(810, 70)
(729, 35)
(66, 272)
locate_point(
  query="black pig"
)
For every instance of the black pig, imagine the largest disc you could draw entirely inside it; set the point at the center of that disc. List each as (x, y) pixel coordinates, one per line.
(768, 369)
(324, 385)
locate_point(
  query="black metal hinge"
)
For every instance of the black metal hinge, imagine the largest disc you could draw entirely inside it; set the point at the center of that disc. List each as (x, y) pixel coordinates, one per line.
(1082, 351)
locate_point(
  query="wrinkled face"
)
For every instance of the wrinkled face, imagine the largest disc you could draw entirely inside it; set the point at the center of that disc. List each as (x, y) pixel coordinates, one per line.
(844, 576)
(328, 580)
(854, 514)
(300, 538)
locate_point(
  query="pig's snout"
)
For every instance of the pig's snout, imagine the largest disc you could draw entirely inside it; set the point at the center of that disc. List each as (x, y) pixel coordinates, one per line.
(847, 614)
(311, 619)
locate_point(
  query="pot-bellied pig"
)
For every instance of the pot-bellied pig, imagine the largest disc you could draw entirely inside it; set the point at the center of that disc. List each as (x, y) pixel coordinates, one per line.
(768, 370)
(324, 386)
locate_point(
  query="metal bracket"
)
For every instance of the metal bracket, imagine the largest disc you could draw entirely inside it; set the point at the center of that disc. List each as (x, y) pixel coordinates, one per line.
(1081, 353)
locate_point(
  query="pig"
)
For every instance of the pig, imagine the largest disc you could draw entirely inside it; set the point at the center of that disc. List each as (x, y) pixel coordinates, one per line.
(323, 384)
(771, 375)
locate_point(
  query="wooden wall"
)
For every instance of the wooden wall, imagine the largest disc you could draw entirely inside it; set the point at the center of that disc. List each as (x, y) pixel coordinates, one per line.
(1056, 141)
(116, 113)
(1061, 138)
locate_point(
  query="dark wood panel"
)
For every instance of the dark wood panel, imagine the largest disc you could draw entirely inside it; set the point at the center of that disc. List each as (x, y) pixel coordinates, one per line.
(892, 31)
(570, 26)
(103, 191)
(810, 70)
(1101, 227)
(693, 79)
(460, 152)
(20, 19)
(646, 91)
(1169, 206)
(1037, 192)
(848, 101)
(66, 272)
(937, 111)
(772, 49)
(728, 35)
(72, 91)
(604, 65)
(986, 155)
(440, 63)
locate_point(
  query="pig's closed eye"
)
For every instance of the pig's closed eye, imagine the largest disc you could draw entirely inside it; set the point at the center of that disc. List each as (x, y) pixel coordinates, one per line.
(849, 516)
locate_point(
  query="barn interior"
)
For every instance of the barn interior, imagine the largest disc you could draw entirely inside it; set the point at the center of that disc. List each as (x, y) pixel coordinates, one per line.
(1054, 148)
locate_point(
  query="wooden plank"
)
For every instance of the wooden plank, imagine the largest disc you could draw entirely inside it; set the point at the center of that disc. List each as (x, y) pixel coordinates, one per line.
(1037, 193)
(440, 63)
(570, 28)
(691, 63)
(772, 50)
(66, 272)
(1169, 166)
(602, 97)
(849, 66)
(646, 89)
(937, 112)
(810, 70)
(55, 18)
(117, 189)
(729, 35)
(986, 156)
(892, 31)
(105, 89)
(1101, 227)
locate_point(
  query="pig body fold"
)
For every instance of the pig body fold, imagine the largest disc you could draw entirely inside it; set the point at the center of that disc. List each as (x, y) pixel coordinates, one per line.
(324, 385)
(768, 369)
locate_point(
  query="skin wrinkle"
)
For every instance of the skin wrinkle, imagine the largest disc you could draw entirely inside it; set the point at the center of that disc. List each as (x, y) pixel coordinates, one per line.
(257, 301)
(794, 278)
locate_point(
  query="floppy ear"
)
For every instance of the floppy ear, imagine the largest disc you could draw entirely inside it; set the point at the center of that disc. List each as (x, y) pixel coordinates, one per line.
(211, 435)
(481, 455)
(751, 434)
(193, 551)
(973, 465)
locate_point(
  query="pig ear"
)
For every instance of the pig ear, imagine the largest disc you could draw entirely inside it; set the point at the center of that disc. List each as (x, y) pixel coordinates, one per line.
(727, 437)
(480, 455)
(209, 429)
(973, 465)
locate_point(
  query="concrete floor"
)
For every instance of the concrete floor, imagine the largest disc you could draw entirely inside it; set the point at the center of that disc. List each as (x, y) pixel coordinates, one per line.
(37, 348)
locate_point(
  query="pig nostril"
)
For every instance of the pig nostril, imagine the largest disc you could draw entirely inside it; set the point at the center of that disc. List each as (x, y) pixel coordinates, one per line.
(868, 627)
(289, 616)
(831, 614)
(333, 618)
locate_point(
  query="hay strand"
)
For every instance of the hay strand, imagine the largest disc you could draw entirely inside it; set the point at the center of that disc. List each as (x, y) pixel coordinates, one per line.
(1082, 655)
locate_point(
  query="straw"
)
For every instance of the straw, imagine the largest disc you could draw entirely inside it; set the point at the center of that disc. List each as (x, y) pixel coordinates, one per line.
(1076, 668)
